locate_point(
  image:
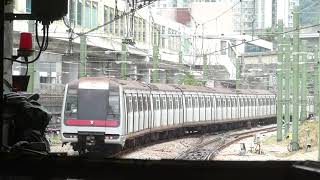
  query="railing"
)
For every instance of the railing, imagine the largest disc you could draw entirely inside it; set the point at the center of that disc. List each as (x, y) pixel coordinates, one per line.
(52, 89)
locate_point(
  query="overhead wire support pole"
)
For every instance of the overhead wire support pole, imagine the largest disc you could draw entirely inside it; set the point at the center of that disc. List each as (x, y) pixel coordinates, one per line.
(124, 57)
(83, 56)
(303, 65)
(280, 81)
(287, 74)
(1, 65)
(295, 80)
(318, 93)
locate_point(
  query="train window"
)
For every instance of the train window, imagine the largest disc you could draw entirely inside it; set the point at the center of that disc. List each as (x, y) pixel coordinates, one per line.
(180, 102)
(175, 102)
(71, 104)
(140, 103)
(196, 102)
(218, 102)
(128, 103)
(170, 103)
(223, 102)
(134, 103)
(145, 102)
(148, 102)
(188, 102)
(208, 103)
(163, 103)
(114, 103)
(154, 101)
(202, 102)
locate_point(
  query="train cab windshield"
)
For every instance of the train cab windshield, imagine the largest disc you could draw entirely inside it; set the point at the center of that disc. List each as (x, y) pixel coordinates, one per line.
(92, 104)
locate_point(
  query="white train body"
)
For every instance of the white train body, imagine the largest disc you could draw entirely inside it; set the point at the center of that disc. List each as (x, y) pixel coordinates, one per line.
(111, 110)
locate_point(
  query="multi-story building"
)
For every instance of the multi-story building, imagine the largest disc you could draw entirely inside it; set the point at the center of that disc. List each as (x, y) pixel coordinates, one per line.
(60, 63)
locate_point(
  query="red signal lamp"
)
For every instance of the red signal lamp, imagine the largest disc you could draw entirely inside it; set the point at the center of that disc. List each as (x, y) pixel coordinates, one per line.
(25, 46)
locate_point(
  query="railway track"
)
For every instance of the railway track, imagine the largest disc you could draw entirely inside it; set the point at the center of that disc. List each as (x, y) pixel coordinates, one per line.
(208, 148)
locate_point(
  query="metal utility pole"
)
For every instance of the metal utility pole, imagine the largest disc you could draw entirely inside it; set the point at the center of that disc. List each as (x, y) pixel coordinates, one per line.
(31, 68)
(287, 75)
(155, 59)
(295, 79)
(83, 56)
(304, 72)
(316, 81)
(6, 40)
(238, 71)
(317, 56)
(124, 58)
(1, 67)
(205, 66)
(280, 81)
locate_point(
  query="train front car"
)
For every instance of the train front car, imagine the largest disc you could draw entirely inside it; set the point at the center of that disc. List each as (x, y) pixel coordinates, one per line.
(91, 118)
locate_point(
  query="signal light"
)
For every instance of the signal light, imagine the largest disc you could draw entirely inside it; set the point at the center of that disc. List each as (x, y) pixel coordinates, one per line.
(25, 46)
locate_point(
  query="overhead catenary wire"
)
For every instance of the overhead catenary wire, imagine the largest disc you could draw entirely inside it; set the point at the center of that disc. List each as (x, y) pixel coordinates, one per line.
(306, 27)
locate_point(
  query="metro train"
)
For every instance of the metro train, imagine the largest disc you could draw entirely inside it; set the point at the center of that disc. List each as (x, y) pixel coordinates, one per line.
(100, 113)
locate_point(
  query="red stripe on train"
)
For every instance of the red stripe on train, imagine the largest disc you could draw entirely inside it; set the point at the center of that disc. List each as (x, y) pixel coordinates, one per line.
(91, 122)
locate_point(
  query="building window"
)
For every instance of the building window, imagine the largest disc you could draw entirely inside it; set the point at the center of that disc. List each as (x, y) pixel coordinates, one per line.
(143, 30)
(87, 14)
(111, 17)
(135, 25)
(72, 6)
(28, 6)
(122, 24)
(163, 32)
(79, 12)
(106, 18)
(94, 17)
(223, 45)
(253, 48)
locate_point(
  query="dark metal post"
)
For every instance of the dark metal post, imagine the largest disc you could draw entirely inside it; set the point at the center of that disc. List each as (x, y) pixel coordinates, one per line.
(1, 64)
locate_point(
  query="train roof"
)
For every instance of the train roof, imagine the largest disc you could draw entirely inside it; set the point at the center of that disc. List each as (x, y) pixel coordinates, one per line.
(136, 85)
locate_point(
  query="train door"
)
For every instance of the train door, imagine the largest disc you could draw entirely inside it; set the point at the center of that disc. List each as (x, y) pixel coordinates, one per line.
(156, 110)
(129, 110)
(246, 104)
(189, 108)
(176, 113)
(213, 108)
(259, 108)
(140, 111)
(264, 105)
(253, 103)
(135, 112)
(241, 99)
(268, 105)
(145, 98)
(196, 111)
(228, 98)
(233, 107)
(202, 108)
(181, 110)
(164, 110)
(150, 117)
(170, 109)
(218, 108)
(208, 108)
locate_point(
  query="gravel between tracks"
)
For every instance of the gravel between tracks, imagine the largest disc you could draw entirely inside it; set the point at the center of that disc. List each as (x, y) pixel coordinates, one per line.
(172, 149)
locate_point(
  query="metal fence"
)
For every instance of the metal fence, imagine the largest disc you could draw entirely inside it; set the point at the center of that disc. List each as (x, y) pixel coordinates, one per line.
(50, 89)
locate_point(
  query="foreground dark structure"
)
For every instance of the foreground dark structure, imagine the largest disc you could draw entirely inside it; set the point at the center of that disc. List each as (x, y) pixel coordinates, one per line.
(94, 167)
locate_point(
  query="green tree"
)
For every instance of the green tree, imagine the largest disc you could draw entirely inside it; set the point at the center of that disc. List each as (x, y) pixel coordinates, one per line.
(188, 79)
